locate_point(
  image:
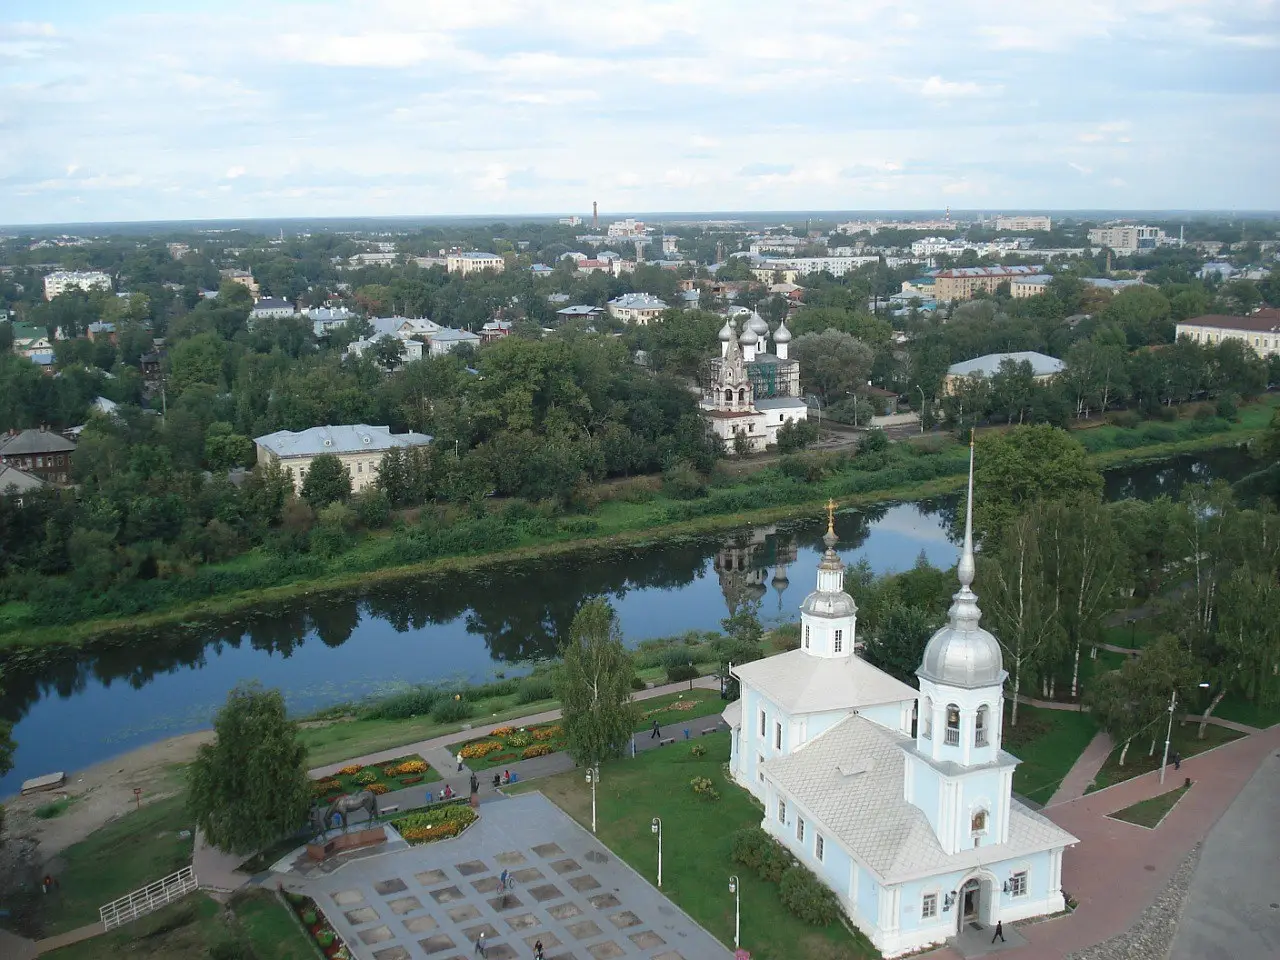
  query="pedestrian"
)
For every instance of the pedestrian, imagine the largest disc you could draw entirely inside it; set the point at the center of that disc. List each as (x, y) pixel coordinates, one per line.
(475, 783)
(999, 932)
(1177, 761)
(537, 951)
(506, 777)
(497, 780)
(480, 947)
(502, 880)
(657, 731)
(459, 759)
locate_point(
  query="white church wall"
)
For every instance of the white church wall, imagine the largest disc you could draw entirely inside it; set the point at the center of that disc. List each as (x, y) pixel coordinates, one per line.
(816, 724)
(889, 716)
(868, 894)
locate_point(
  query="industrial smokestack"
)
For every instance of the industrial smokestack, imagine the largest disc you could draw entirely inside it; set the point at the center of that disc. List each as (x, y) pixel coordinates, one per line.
(595, 215)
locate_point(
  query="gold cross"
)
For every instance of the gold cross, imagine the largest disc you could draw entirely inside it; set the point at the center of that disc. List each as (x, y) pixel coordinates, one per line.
(831, 515)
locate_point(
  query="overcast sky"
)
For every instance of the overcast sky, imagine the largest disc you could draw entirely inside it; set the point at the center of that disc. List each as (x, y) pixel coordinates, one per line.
(128, 110)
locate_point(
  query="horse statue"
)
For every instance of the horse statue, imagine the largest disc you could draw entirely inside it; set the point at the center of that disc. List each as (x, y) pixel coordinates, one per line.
(344, 806)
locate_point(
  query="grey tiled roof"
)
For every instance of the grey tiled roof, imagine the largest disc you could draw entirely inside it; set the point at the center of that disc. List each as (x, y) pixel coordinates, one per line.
(850, 780)
(801, 683)
(12, 477)
(1041, 364)
(348, 438)
(35, 441)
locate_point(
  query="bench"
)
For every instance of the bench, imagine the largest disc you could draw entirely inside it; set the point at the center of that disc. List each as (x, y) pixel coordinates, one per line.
(703, 733)
(667, 742)
(390, 808)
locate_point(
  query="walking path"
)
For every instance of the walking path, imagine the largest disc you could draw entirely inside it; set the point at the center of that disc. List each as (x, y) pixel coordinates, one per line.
(1082, 773)
(1118, 868)
(50, 944)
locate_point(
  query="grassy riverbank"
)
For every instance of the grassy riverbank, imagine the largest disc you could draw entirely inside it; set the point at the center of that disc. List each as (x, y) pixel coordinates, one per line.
(795, 487)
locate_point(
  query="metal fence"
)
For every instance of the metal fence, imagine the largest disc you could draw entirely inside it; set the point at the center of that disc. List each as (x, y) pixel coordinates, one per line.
(148, 899)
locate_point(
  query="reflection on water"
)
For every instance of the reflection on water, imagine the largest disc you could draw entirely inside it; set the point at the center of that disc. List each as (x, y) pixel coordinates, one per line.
(333, 647)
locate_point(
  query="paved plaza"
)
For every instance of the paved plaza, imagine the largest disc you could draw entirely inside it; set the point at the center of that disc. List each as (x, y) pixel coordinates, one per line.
(434, 901)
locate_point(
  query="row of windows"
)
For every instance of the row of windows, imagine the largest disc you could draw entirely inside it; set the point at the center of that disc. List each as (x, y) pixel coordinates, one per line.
(40, 462)
(1017, 888)
(952, 736)
(777, 730)
(819, 844)
(837, 642)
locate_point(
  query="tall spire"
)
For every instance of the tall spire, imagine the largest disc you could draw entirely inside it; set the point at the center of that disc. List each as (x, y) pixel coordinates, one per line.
(965, 569)
(830, 538)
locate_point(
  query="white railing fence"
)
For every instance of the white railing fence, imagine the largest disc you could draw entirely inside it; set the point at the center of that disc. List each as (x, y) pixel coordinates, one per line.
(148, 899)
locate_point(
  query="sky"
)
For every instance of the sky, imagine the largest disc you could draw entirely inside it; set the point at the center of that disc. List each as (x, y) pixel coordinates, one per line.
(151, 110)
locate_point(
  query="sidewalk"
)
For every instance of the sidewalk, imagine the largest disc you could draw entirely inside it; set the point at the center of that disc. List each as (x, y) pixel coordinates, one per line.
(1084, 770)
(1117, 869)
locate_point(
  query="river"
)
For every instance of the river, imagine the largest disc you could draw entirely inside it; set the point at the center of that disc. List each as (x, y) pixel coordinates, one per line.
(334, 647)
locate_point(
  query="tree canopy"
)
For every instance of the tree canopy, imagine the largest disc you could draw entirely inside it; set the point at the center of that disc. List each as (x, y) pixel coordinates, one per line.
(594, 686)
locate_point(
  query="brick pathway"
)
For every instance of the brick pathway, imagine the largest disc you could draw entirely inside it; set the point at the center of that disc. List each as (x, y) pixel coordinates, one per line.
(1118, 868)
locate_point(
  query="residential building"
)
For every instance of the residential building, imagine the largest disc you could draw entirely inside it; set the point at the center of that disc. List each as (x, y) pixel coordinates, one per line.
(325, 320)
(495, 330)
(271, 308)
(1042, 367)
(579, 311)
(178, 250)
(380, 258)
(426, 263)
(670, 245)
(1030, 286)
(779, 244)
(242, 277)
(1106, 283)
(359, 446)
(638, 308)
(16, 484)
(775, 271)
(541, 270)
(748, 392)
(1022, 224)
(923, 288)
(898, 798)
(60, 281)
(574, 221)
(1127, 240)
(626, 228)
(410, 350)
(1260, 331)
(961, 283)
(101, 330)
(474, 262)
(446, 340)
(1218, 270)
(29, 340)
(41, 453)
(403, 328)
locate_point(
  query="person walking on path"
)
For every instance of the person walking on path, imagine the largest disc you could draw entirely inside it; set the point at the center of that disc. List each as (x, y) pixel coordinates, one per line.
(537, 951)
(657, 731)
(480, 947)
(459, 759)
(1177, 760)
(502, 880)
(999, 932)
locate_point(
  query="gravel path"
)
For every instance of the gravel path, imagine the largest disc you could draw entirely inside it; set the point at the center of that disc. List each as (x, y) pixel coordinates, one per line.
(1151, 937)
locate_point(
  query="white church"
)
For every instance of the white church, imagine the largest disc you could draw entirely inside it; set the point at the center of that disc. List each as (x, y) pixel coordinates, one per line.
(912, 824)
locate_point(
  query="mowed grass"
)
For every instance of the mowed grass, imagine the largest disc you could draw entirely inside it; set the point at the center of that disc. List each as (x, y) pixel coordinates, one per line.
(671, 708)
(139, 848)
(1141, 759)
(1048, 742)
(696, 846)
(1248, 712)
(1149, 813)
(186, 930)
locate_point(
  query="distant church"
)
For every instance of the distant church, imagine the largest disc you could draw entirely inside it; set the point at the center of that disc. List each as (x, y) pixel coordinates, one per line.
(748, 391)
(899, 799)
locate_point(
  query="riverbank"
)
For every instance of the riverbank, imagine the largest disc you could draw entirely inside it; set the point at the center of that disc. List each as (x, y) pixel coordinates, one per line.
(618, 524)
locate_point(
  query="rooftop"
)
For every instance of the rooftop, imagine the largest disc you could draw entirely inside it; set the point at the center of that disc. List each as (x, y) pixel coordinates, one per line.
(34, 441)
(352, 438)
(961, 272)
(450, 335)
(1041, 365)
(272, 303)
(800, 683)
(638, 301)
(1264, 321)
(13, 479)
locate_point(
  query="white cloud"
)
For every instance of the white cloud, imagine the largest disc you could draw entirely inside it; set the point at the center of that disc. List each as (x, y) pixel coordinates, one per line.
(234, 172)
(950, 89)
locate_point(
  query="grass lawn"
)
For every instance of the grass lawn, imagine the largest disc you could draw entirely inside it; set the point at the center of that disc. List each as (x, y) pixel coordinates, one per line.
(1149, 813)
(677, 707)
(1047, 742)
(185, 931)
(1090, 668)
(141, 847)
(1135, 636)
(513, 744)
(1140, 759)
(1247, 712)
(696, 844)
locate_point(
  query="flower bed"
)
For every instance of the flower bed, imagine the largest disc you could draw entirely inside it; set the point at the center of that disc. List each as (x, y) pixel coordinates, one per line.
(440, 823)
(504, 745)
(379, 777)
(317, 926)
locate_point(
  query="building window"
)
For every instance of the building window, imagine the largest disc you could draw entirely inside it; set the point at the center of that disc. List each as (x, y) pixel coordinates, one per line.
(763, 723)
(980, 727)
(978, 823)
(929, 906)
(777, 736)
(953, 725)
(819, 846)
(728, 396)
(839, 642)
(782, 810)
(806, 636)
(360, 467)
(926, 719)
(1018, 884)
(40, 462)
(800, 829)
(760, 768)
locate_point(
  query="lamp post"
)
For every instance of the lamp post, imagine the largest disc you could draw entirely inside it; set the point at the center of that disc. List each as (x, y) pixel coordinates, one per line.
(657, 829)
(1168, 733)
(737, 912)
(921, 389)
(593, 777)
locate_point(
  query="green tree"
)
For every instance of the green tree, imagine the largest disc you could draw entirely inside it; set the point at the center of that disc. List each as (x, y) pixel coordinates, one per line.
(1133, 702)
(224, 449)
(387, 352)
(594, 686)
(897, 644)
(249, 787)
(833, 363)
(327, 480)
(796, 435)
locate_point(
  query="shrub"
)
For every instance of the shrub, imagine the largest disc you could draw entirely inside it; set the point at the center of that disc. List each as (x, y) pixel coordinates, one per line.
(451, 711)
(680, 672)
(538, 686)
(807, 897)
(873, 441)
(681, 481)
(638, 684)
(229, 950)
(520, 740)
(415, 702)
(1228, 406)
(704, 788)
(697, 750)
(537, 750)
(309, 918)
(366, 777)
(325, 939)
(748, 846)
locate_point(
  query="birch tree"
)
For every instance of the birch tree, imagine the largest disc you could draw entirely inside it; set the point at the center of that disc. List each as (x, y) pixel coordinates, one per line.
(594, 686)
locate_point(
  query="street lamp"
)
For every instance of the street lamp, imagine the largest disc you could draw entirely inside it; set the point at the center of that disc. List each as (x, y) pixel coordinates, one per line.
(737, 912)
(593, 777)
(1168, 734)
(921, 389)
(657, 829)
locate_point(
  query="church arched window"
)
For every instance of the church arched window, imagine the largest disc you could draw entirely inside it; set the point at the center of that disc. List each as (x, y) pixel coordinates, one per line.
(728, 396)
(926, 719)
(953, 725)
(980, 727)
(806, 636)
(742, 395)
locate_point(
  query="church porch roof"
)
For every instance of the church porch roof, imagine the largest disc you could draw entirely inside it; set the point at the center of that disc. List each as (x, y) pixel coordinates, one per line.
(800, 683)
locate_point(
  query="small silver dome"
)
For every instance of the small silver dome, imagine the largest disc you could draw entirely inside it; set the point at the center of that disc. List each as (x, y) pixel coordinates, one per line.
(780, 578)
(748, 338)
(821, 604)
(783, 335)
(962, 655)
(726, 332)
(758, 325)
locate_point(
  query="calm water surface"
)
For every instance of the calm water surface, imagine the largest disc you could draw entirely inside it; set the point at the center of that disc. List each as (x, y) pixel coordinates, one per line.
(342, 646)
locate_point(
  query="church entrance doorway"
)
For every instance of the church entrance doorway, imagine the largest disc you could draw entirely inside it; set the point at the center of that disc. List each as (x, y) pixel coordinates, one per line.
(970, 903)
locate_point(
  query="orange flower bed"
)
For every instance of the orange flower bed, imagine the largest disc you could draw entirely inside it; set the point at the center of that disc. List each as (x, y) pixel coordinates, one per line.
(409, 766)
(537, 750)
(547, 733)
(350, 771)
(502, 731)
(473, 751)
(378, 789)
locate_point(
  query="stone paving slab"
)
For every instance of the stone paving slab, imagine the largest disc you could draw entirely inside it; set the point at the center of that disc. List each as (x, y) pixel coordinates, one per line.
(432, 902)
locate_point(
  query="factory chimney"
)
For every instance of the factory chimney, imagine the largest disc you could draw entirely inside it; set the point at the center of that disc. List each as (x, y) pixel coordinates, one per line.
(595, 215)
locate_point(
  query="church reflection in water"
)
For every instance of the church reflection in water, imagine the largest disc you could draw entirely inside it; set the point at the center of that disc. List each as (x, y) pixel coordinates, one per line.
(742, 565)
